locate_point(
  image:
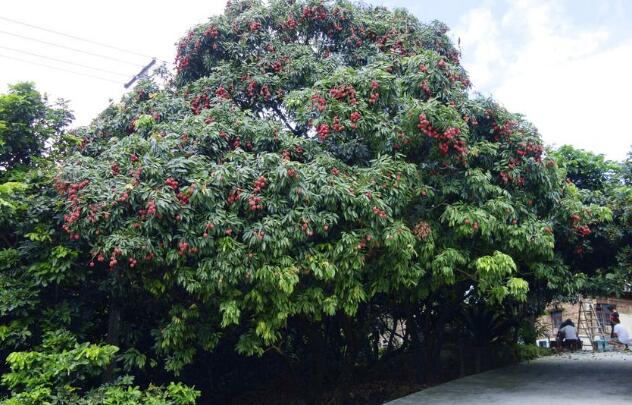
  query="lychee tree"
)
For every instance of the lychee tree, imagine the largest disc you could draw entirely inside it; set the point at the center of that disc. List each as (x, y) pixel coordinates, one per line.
(312, 167)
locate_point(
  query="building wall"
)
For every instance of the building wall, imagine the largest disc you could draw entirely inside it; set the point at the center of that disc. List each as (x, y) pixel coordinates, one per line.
(624, 307)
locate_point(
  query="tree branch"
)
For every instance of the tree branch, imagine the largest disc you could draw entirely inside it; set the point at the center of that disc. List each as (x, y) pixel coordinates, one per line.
(285, 121)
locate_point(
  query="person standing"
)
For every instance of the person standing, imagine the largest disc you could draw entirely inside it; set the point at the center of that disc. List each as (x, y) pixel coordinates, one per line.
(614, 315)
(621, 333)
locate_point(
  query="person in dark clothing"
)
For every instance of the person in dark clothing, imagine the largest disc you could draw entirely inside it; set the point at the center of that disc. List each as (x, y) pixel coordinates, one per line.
(614, 319)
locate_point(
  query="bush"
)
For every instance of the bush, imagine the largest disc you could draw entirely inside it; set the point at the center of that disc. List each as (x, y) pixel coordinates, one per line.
(530, 352)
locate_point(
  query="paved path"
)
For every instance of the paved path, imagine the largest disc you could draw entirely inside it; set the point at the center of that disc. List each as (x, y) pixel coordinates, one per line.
(579, 378)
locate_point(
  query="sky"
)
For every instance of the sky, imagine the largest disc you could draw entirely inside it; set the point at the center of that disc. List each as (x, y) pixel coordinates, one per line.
(564, 64)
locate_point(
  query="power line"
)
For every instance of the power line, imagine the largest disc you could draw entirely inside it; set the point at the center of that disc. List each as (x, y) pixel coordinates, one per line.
(76, 37)
(69, 48)
(58, 68)
(140, 74)
(64, 61)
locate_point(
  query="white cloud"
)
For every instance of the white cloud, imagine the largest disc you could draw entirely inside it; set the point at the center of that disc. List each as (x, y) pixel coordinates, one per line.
(478, 34)
(583, 102)
(149, 27)
(562, 77)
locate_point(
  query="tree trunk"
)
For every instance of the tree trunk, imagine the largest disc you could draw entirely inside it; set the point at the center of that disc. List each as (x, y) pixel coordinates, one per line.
(113, 333)
(315, 375)
(352, 341)
(461, 358)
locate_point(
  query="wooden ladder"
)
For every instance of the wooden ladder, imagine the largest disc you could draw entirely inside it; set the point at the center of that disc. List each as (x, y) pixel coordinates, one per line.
(588, 325)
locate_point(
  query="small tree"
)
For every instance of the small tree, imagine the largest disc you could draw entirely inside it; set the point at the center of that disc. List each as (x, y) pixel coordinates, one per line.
(28, 124)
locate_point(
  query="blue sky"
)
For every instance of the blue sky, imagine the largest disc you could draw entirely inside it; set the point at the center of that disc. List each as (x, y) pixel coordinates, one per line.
(564, 64)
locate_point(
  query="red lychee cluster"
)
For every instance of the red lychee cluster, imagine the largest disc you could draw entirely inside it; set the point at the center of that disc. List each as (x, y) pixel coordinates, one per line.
(583, 230)
(290, 23)
(251, 88)
(364, 241)
(123, 197)
(425, 86)
(259, 234)
(355, 116)
(136, 173)
(380, 213)
(182, 62)
(171, 182)
(235, 143)
(530, 148)
(254, 26)
(446, 139)
(335, 171)
(234, 196)
(151, 208)
(184, 196)
(221, 92)
(254, 203)
(73, 198)
(73, 191)
(207, 229)
(259, 184)
(265, 92)
(211, 32)
(336, 126)
(94, 211)
(199, 103)
(182, 248)
(319, 102)
(313, 12)
(323, 131)
(474, 224)
(277, 66)
(115, 253)
(340, 92)
(504, 130)
(506, 178)
(305, 228)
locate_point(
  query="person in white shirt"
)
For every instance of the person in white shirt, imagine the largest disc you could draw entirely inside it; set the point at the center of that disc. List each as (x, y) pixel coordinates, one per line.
(621, 333)
(567, 335)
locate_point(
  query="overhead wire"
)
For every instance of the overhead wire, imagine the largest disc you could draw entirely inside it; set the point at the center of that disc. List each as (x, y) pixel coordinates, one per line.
(58, 68)
(78, 38)
(64, 61)
(70, 48)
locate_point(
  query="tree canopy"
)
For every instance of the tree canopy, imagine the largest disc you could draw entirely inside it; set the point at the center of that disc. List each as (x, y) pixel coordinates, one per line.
(27, 121)
(314, 175)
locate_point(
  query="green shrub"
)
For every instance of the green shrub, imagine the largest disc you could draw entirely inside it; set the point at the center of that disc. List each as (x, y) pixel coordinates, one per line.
(530, 352)
(58, 371)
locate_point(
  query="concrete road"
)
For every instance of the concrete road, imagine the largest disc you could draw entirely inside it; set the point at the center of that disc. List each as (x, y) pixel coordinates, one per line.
(574, 379)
